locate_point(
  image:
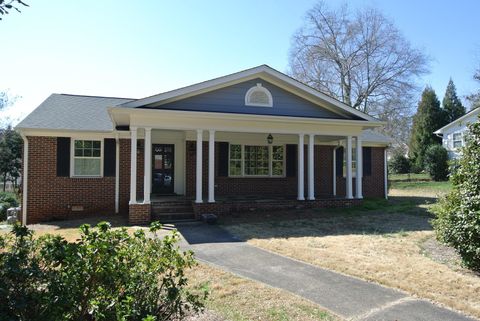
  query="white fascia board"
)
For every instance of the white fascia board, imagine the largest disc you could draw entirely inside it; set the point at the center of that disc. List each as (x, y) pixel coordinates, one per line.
(245, 75)
(470, 113)
(181, 114)
(72, 133)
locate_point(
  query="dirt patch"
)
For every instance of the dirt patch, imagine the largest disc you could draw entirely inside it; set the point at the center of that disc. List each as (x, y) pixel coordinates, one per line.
(444, 254)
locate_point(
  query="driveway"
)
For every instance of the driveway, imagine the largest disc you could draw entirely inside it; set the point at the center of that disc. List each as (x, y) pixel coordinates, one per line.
(348, 297)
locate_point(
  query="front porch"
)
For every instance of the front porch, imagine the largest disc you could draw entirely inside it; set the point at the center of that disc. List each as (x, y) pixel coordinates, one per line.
(205, 177)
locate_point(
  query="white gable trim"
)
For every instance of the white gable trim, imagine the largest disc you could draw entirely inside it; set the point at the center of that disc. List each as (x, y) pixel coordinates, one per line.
(470, 113)
(264, 72)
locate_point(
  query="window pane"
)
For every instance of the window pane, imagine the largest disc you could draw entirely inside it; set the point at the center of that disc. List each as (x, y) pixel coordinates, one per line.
(277, 168)
(87, 144)
(256, 160)
(96, 144)
(235, 168)
(235, 152)
(87, 152)
(277, 153)
(78, 152)
(78, 143)
(87, 166)
(96, 153)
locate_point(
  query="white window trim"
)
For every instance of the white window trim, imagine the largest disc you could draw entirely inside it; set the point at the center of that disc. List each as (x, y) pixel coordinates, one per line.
(72, 157)
(461, 140)
(270, 161)
(259, 87)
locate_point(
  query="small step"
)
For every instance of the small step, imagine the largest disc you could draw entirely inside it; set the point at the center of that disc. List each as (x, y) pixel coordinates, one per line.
(172, 217)
(171, 209)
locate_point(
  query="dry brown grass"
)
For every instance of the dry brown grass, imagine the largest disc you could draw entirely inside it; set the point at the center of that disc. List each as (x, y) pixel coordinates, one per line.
(382, 246)
(236, 298)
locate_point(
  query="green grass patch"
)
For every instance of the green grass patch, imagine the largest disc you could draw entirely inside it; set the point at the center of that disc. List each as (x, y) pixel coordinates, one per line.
(409, 177)
(422, 185)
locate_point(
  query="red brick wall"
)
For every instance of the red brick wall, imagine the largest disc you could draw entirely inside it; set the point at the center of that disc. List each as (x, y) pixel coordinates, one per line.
(374, 184)
(51, 197)
(287, 186)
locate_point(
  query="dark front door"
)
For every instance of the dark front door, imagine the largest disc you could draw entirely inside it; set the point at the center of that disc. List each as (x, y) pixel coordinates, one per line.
(162, 171)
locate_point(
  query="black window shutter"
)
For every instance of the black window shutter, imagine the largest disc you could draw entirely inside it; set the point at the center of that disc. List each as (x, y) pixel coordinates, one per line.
(63, 156)
(339, 161)
(109, 157)
(223, 159)
(291, 160)
(367, 161)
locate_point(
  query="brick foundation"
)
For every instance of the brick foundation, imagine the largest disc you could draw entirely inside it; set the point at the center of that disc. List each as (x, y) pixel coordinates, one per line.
(139, 214)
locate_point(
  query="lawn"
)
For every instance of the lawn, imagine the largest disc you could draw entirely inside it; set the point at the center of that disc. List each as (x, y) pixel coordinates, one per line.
(387, 242)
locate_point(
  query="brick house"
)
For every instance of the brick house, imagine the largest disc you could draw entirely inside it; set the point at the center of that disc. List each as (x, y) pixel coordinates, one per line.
(253, 139)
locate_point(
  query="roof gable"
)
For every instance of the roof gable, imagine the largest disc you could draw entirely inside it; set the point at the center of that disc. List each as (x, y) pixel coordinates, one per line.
(231, 99)
(263, 72)
(471, 114)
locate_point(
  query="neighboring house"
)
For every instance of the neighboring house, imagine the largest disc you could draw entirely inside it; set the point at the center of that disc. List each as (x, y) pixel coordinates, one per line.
(223, 145)
(453, 134)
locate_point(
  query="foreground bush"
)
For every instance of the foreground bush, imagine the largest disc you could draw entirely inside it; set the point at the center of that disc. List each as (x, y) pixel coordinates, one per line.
(399, 164)
(458, 213)
(436, 162)
(107, 275)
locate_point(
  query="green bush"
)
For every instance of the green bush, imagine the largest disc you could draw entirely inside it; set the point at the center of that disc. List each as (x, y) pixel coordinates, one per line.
(399, 164)
(436, 162)
(106, 275)
(457, 220)
(7, 200)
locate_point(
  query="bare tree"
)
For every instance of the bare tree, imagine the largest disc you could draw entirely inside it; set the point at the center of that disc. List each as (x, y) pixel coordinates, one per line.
(474, 98)
(7, 5)
(358, 57)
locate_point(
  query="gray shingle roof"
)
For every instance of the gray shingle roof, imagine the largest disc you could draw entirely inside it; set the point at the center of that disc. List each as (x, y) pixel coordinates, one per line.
(72, 112)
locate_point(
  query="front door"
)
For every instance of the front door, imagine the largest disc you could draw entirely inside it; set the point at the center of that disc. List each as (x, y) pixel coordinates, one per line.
(162, 171)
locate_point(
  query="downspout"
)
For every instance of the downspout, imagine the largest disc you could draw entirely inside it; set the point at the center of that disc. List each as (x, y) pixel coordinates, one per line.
(385, 164)
(117, 174)
(24, 179)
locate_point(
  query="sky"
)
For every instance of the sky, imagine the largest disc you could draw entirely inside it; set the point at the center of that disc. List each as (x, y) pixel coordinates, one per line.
(140, 48)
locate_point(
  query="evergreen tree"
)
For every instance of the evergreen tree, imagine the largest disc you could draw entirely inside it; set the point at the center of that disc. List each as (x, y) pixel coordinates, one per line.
(429, 118)
(452, 106)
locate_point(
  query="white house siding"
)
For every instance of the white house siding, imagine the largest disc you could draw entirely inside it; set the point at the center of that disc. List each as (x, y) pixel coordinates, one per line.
(459, 126)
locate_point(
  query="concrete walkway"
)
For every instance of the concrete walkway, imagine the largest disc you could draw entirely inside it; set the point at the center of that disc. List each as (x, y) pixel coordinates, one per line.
(348, 297)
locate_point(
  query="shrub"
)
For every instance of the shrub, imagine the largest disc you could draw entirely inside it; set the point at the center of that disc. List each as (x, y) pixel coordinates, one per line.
(399, 164)
(457, 220)
(436, 162)
(106, 275)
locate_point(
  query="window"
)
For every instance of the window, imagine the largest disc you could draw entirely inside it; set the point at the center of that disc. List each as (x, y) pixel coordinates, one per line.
(457, 140)
(354, 161)
(249, 160)
(87, 158)
(258, 96)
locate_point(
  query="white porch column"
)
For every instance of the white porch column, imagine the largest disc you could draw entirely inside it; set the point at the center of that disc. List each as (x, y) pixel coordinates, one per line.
(133, 165)
(211, 166)
(300, 174)
(349, 168)
(198, 188)
(359, 173)
(147, 177)
(311, 164)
